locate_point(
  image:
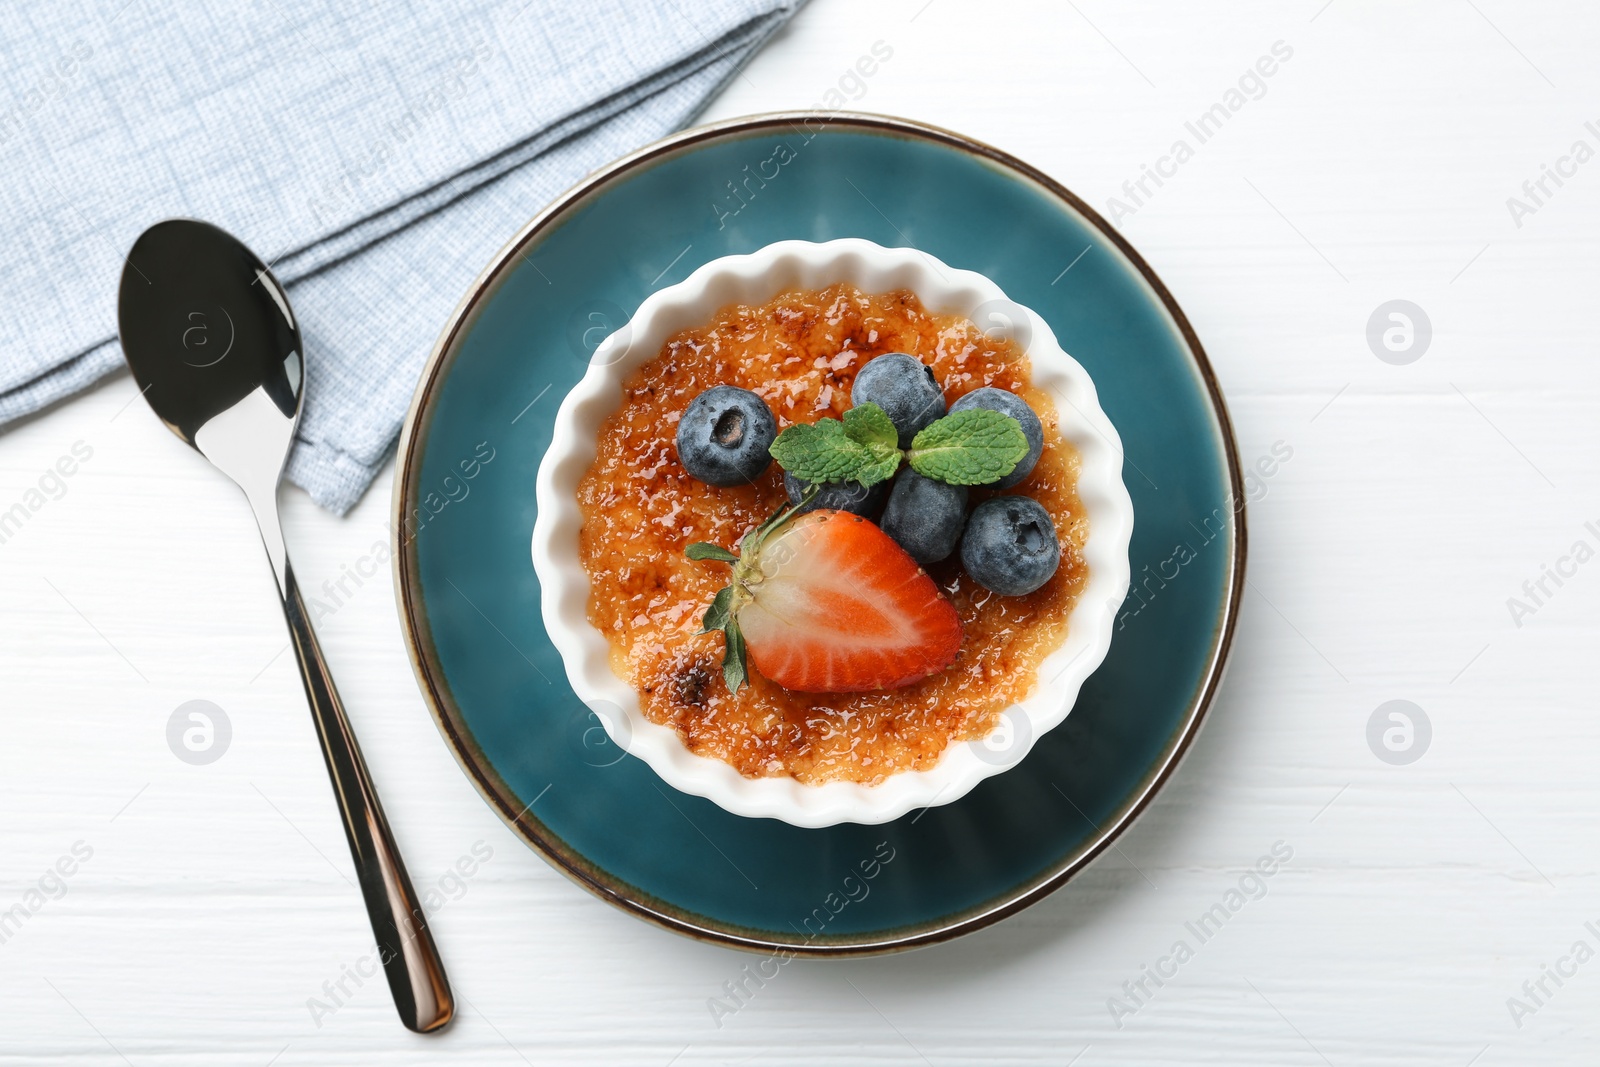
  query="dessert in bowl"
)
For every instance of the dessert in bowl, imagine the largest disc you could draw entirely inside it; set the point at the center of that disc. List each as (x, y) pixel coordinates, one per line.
(829, 532)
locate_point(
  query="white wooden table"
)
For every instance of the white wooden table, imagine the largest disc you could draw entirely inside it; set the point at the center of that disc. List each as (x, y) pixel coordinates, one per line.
(215, 901)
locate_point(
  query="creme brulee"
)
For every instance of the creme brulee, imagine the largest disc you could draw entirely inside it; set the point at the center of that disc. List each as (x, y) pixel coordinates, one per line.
(800, 352)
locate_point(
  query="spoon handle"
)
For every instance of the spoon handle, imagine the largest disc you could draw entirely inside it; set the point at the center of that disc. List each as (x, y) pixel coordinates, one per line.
(405, 944)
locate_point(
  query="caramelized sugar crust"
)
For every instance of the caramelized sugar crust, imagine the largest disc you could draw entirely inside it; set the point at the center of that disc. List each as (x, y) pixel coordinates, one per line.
(800, 353)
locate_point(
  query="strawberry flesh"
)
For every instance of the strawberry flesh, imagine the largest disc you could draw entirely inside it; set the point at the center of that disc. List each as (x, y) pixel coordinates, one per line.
(834, 605)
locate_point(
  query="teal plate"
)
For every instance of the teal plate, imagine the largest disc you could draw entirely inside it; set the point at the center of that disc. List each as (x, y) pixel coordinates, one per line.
(469, 601)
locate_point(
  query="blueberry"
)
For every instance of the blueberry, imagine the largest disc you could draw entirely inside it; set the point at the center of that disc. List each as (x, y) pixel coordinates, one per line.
(724, 435)
(1010, 545)
(904, 387)
(924, 516)
(1008, 403)
(844, 496)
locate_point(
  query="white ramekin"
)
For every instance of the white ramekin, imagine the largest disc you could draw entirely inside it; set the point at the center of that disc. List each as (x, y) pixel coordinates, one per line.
(755, 279)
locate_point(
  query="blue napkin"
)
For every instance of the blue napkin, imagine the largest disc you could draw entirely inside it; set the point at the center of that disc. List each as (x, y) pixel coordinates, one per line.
(377, 157)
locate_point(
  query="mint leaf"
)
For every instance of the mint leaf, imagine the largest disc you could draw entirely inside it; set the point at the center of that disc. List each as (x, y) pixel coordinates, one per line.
(820, 452)
(862, 448)
(972, 447)
(869, 426)
(878, 470)
(705, 550)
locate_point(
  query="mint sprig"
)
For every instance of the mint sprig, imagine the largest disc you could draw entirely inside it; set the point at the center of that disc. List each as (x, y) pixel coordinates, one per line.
(870, 428)
(972, 447)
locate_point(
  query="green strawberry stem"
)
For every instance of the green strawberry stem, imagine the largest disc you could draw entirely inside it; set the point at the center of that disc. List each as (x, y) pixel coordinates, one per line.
(723, 612)
(705, 550)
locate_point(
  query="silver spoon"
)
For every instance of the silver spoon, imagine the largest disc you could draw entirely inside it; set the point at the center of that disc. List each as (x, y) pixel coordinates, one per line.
(209, 336)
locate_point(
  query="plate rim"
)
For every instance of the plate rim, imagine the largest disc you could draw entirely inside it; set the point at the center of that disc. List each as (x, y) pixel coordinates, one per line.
(493, 789)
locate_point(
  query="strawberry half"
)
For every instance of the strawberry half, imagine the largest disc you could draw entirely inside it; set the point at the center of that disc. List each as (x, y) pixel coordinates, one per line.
(829, 603)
